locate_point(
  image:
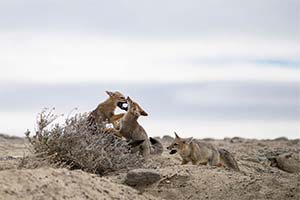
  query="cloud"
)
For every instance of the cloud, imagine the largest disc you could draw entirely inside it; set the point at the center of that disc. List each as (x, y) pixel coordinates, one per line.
(219, 109)
(170, 18)
(58, 58)
(202, 100)
(65, 53)
(152, 41)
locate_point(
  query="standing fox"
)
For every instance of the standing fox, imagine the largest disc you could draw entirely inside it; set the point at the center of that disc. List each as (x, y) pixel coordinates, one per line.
(133, 131)
(105, 110)
(202, 153)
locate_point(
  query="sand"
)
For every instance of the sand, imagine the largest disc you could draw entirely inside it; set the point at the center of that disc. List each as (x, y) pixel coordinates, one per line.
(257, 179)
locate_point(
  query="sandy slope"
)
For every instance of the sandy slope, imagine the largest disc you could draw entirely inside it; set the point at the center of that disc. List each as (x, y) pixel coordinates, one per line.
(47, 183)
(257, 179)
(11, 150)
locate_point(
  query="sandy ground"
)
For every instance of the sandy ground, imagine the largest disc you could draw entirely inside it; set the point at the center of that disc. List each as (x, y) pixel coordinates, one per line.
(257, 179)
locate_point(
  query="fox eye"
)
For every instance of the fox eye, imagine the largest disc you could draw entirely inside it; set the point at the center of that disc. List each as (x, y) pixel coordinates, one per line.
(175, 144)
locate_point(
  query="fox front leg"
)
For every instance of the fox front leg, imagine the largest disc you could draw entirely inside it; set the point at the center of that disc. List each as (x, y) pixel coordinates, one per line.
(195, 162)
(221, 165)
(199, 162)
(115, 120)
(116, 117)
(113, 132)
(184, 162)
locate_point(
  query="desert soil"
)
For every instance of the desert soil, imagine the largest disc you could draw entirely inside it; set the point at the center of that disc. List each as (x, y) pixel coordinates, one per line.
(257, 179)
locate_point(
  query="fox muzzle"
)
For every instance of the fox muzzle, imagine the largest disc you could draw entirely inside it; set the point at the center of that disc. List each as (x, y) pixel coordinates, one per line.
(123, 105)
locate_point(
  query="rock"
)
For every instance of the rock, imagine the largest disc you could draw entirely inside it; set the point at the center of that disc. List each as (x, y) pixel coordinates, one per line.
(237, 140)
(294, 142)
(167, 138)
(208, 139)
(289, 162)
(281, 139)
(142, 177)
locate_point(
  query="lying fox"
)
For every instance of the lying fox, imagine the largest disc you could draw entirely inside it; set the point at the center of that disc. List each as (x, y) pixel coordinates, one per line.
(105, 110)
(133, 131)
(202, 153)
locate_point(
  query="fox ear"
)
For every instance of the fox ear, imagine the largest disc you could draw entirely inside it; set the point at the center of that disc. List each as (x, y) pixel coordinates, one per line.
(129, 100)
(143, 113)
(109, 93)
(189, 140)
(176, 135)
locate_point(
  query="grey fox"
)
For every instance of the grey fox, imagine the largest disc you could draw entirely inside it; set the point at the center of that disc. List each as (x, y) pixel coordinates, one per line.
(202, 153)
(133, 131)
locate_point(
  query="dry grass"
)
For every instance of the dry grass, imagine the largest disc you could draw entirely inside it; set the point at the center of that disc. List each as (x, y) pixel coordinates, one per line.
(77, 145)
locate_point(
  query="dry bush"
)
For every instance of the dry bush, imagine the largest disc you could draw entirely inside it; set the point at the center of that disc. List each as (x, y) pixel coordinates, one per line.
(77, 145)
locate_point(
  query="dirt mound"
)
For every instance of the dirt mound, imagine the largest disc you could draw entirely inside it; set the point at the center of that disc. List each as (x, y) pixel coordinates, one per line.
(258, 179)
(48, 183)
(205, 182)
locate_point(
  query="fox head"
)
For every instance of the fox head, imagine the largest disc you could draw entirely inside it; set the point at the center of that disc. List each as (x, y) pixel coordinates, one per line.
(179, 144)
(135, 108)
(118, 98)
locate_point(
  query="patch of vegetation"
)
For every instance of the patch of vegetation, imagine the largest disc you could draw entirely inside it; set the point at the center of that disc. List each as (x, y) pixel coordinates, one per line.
(79, 145)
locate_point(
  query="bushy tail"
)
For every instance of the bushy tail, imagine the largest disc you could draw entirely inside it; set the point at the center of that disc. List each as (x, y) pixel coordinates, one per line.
(228, 160)
(135, 143)
(156, 146)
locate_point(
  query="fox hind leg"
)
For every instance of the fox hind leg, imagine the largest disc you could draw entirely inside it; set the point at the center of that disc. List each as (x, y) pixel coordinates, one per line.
(215, 159)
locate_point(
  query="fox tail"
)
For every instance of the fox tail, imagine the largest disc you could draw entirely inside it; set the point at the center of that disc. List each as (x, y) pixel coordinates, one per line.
(228, 159)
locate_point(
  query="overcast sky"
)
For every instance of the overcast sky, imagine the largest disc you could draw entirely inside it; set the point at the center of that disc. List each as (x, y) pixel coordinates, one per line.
(169, 17)
(213, 59)
(154, 41)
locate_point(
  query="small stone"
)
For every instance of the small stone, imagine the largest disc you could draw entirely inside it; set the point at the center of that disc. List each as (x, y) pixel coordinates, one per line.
(142, 177)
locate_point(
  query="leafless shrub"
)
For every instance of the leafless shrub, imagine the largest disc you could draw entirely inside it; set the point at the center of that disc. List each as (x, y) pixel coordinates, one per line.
(77, 145)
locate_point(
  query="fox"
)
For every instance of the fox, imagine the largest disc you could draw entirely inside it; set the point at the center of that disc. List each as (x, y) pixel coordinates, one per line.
(105, 110)
(200, 153)
(133, 131)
